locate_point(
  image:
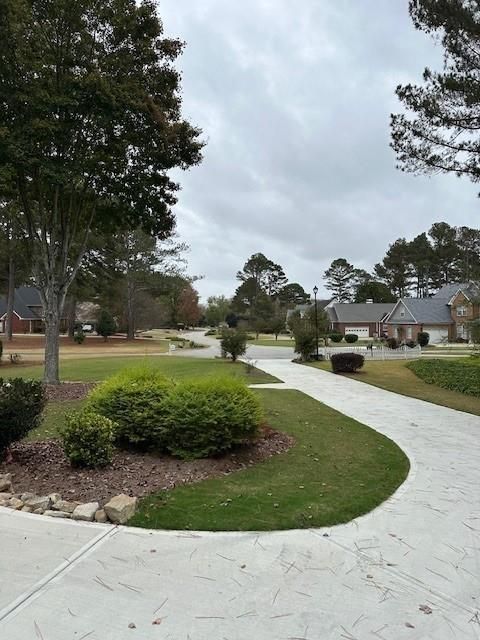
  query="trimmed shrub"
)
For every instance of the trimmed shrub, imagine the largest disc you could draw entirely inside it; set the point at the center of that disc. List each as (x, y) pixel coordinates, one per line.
(423, 338)
(336, 337)
(106, 325)
(392, 343)
(346, 362)
(351, 338)
(233, 343)
(411, 344)
(21, 406)
(135, 400)
(209, 417)
(456, 375)
(87, 439)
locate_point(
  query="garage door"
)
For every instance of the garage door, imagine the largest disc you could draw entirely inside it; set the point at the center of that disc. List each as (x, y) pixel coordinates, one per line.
(362, 332)
(437, 334)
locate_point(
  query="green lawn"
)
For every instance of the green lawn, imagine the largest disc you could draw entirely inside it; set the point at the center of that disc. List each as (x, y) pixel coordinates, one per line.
(396, 376)
(96, 369)
(338, 470)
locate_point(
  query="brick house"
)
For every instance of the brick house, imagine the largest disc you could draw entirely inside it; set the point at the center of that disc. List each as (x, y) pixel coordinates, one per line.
(27, 312)
(366, 320)
(445, 316)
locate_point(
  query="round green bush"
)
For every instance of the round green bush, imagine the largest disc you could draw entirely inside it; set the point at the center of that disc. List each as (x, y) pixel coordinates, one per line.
(351, 337)
(336, 337)
(135, 401)
(87, 439)
(21, 407)
(423, 338)
(209, 417)
(346, 362)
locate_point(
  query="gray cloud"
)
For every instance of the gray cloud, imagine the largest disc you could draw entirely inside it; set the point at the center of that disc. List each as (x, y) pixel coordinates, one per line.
(295, 104)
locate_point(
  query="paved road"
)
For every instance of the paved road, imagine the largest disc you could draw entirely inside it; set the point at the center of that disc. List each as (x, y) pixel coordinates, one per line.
(212, 350)
(408, 570)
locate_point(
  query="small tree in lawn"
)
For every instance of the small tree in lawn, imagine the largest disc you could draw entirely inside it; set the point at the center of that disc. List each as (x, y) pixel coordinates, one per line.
(106, 325)
(305, 340)
(233, 343)
(276, 325)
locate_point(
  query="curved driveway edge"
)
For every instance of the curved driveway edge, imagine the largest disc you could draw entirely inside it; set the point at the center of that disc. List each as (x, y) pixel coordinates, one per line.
(409, 569)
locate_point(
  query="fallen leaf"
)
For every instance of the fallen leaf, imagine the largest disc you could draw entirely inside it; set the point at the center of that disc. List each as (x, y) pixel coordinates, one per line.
(157, 621)
(132, 625)
(425, 608)
(409, 625)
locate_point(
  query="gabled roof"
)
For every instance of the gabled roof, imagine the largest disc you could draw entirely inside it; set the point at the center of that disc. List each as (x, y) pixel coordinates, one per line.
(303, 308)
(424, 310)
(25, 297)
(359, 311)
(448, 291)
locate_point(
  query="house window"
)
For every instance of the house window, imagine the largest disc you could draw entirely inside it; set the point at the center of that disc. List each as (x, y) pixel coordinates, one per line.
(409, 333)
(462, 311)
(402, 314)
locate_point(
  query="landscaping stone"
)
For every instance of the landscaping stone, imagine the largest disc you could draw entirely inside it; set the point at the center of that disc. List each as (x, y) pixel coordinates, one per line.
(85, 511)
(38, 512)
(6, 482)
(25, 496)
(57, 514)
(26, 509)
(15, 503)
(121, 508)
(39, 502)
(65, 505)
(101, 516)
(5, 496)
(55, 497)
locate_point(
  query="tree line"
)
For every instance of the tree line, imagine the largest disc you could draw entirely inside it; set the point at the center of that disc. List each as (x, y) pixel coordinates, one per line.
(416, 268)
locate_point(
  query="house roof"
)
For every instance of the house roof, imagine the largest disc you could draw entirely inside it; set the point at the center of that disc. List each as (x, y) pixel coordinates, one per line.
(359, 311)
(425, 311)
(302, 308)
(25, 298)
(471, 289)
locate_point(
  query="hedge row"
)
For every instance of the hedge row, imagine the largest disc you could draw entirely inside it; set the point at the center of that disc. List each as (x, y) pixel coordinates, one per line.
(456, 375)
(191, 419)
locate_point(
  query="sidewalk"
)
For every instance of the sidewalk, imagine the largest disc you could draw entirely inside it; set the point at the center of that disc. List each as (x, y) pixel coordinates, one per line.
(410, 569)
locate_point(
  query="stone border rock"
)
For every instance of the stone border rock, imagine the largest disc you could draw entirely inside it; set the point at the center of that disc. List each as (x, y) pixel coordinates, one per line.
(118, 510)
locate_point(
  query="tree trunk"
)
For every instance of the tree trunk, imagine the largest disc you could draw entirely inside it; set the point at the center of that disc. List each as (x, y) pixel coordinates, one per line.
(72, 312)
(10, 298)
(53, 308)
(130, 312)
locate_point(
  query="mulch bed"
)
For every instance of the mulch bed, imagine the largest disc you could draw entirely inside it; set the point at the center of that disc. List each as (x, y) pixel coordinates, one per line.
(68, 391)
(42, 468)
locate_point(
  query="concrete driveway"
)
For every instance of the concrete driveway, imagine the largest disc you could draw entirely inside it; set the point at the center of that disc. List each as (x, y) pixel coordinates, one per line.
(408, 570)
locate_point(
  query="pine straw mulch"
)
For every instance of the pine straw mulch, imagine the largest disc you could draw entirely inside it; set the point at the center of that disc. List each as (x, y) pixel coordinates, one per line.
(41, 467)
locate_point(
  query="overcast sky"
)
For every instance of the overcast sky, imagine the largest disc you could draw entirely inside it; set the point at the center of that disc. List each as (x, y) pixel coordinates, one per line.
(294, 101)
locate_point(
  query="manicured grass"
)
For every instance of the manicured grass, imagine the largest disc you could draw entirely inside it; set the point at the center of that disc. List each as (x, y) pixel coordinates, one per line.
(54, 419)
(96, 369)
(462, 375)
(397, 377)
(337, 470)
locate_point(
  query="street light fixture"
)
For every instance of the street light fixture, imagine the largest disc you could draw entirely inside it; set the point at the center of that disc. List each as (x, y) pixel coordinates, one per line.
(315, 291)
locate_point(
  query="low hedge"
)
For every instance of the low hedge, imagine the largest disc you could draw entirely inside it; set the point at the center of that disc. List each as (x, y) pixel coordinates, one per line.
(456, 375)
(193, 419)
(209, 417)
(351, 337)
(134, 399)
(21, 408)
(346, 362)
(87, 439)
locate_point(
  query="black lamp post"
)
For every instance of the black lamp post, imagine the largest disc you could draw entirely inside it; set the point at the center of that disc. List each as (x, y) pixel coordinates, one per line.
(315, 291)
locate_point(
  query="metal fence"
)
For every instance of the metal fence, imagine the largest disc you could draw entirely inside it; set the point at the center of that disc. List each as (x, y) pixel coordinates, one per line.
(377, 353)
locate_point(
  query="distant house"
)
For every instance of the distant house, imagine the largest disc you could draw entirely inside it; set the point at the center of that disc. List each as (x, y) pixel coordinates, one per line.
(445, 316)
(27, 312)
(303, 308)
(365, 319)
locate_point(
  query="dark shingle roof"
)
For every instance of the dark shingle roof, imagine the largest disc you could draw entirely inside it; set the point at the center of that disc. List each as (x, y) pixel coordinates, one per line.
(360, 311)
(24, 296)
(427, 311)
(471, 289)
